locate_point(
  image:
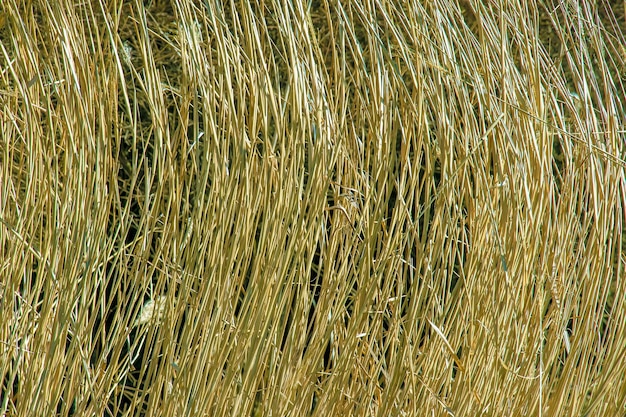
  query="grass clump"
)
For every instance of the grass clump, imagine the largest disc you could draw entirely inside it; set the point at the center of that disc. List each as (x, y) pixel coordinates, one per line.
(312, 208)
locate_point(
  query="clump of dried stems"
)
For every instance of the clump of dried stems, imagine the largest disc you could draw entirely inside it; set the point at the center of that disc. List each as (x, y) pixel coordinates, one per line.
(325, 208)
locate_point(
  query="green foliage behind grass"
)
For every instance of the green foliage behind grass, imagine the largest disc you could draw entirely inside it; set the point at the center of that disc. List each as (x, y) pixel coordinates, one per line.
(325, 208)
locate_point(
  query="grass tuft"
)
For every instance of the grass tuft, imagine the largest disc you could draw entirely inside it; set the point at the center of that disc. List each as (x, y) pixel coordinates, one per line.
(320, 208)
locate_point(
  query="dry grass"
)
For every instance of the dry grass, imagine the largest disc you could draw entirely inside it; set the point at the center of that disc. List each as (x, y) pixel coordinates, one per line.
(325, 208)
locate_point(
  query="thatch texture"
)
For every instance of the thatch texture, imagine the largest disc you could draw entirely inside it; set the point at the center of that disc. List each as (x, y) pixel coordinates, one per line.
(324, 208)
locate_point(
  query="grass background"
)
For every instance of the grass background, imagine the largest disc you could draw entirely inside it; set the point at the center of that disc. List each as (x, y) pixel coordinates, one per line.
(365, 208)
